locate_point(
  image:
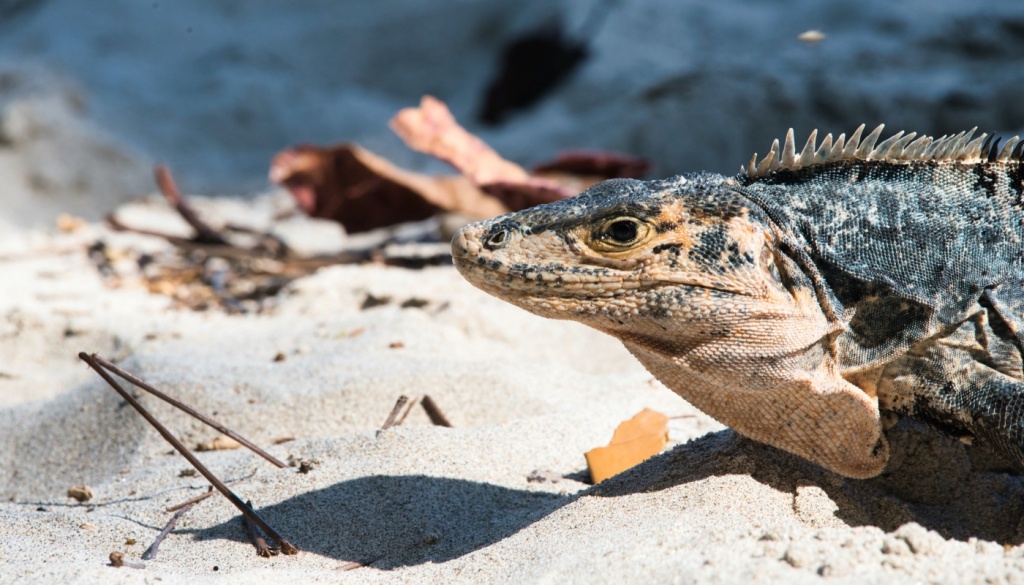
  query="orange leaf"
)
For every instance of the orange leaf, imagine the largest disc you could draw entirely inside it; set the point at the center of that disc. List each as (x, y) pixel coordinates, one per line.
(633, 442)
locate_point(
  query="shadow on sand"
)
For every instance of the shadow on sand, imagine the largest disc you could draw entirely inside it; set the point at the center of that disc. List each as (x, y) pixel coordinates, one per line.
(397, 521)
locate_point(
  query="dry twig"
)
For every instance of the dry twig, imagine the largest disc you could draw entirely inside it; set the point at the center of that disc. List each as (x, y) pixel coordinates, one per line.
(434, 412)
(394, 413)
(262, 548)
(408, 408)
(98, 364)
(150, 553)
(181, 406)
(204, 233)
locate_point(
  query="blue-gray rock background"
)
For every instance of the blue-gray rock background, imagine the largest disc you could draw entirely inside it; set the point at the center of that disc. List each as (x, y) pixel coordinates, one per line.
(92, 93)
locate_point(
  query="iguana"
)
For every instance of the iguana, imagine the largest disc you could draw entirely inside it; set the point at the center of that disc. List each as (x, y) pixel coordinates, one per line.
(806, 300)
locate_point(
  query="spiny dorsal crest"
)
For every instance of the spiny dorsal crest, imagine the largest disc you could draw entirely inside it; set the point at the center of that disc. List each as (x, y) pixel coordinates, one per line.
(897, 148)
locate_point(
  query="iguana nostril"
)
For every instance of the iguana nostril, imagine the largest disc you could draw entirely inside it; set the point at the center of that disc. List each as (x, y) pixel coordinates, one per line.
(498, 239)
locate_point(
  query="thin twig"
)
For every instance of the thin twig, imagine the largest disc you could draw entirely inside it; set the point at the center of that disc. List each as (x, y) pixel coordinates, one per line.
(434, 412)
(204, 233)
(150, 553)
(394, 412)
(262, 549)
(94, 363)
(412, 404)
(190, 501)
(187, 409)
(201, 497)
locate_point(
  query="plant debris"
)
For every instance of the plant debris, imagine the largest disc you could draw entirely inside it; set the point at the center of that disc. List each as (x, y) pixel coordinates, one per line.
(363, 191)
(218, 444)
(399, 405)
(257, 538)
(633, 442)
(150, 553)
(399, 217)
(82, 493)
(104, 368)
(434, 412)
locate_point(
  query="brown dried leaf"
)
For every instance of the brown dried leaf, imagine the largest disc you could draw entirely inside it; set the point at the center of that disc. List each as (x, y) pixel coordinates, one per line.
(362, 191)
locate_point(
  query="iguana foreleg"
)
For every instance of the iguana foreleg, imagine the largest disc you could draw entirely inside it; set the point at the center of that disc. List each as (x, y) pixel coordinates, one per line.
(945, 386)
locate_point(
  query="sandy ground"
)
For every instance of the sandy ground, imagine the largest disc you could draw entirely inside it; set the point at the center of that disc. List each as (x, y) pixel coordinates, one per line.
(420, 503)
(215, 88)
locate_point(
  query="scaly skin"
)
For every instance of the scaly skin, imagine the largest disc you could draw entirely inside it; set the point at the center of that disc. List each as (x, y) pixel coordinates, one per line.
(789, 303)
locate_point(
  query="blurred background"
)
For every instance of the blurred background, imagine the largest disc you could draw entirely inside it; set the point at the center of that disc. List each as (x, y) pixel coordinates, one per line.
(93, 93)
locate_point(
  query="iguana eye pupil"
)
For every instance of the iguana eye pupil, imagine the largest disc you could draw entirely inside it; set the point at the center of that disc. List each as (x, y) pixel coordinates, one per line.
(622, 231)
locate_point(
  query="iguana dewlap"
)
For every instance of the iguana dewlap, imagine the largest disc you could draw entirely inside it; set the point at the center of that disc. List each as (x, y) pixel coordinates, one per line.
(797, 300)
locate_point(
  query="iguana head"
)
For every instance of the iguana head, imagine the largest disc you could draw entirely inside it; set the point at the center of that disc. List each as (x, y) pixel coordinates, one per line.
(631, 256)
(689, 274)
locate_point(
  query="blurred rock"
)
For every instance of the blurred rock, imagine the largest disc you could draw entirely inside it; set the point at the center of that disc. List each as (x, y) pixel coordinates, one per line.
(53, 159)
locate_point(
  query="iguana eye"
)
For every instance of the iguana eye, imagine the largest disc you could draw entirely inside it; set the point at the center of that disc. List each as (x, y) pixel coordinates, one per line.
(621, 232)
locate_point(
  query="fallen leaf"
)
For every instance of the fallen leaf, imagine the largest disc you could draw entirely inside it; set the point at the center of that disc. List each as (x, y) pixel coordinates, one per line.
(432, 129)
(633, 442)
(363, 191)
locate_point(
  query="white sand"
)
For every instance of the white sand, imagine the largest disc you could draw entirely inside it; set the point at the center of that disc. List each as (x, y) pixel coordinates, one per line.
(216, 87)
(426, 503)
